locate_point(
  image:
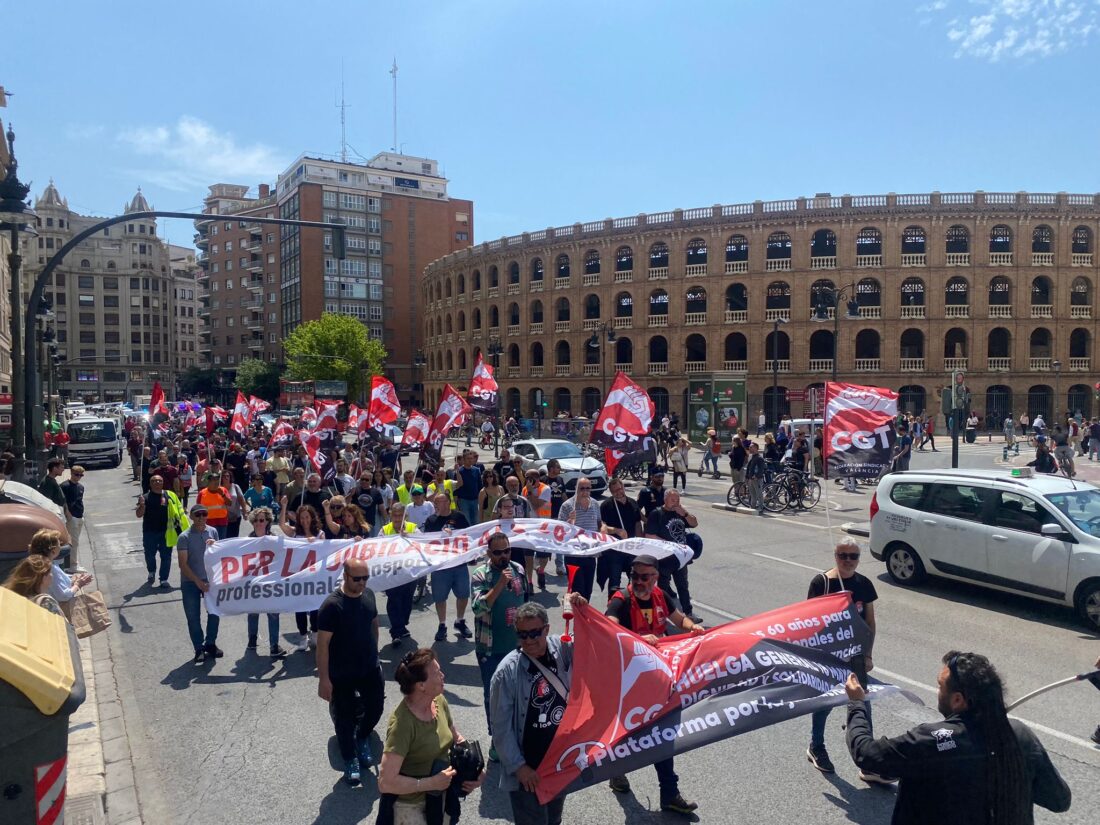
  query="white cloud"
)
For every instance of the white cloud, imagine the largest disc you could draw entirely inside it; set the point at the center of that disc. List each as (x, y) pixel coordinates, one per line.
(193, 153)
(1003, 29)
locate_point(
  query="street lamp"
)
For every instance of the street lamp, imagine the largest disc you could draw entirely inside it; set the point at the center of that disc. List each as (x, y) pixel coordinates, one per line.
(775, 370)
(1057, 416)
(595, 342)
(830, 298)
(495, 349)
(419, 362)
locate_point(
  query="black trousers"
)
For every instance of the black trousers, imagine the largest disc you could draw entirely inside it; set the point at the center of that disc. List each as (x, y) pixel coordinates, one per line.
(681, 591)
(356, 708)
(300, 621)
(399, 607)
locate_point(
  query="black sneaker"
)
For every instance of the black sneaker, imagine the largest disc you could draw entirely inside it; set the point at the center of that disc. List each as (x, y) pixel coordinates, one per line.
(462, 630)
(363, 751)
(819, 758)
(619, 784)
(441, 632)
(877, 778)
(351, 772)
(200, 656)
(213, 652)
(164, 585)
(251, 642)
(1096, 735)
(278, 652)
(542, 580)
(679, 805)
(152, 578)
(396, 641)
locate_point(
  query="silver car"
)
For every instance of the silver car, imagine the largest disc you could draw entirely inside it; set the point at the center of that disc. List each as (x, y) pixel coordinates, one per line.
(537, 452)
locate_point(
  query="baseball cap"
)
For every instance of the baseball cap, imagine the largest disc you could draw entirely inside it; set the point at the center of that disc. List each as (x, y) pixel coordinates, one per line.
(645, 559)
(417, 490)
(198, 510)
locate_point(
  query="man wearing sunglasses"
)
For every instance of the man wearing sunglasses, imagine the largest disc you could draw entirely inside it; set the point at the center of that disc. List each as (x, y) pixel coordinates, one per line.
(347, 665)
(647, 610)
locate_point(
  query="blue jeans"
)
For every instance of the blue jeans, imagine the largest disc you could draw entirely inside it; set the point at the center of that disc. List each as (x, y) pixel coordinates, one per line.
(487, 664)
(272, 627)
(817, 725)
(468, 508)
(710, 458)
(192, 609)
(527, 810)
(154, 544)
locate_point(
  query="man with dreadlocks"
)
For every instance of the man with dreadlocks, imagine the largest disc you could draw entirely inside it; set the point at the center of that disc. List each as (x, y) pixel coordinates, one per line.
(976, 766)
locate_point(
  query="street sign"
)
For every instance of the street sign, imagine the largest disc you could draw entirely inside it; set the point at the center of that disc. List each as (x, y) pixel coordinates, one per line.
(796, 395)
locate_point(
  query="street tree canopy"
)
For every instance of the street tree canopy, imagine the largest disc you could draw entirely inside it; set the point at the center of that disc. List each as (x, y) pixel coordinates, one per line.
(259, 378)
(334, 348)
(196, 381)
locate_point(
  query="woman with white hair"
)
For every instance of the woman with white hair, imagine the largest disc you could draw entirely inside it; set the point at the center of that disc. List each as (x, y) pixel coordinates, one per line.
(842, 577)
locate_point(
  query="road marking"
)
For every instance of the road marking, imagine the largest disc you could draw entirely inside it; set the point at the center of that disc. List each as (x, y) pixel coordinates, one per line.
(131, 522)
(905, 680)
(788, 561)
(746, 511)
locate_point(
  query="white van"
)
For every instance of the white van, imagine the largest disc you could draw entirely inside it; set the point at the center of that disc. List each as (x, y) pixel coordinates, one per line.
(95, 439)
(1036, 535)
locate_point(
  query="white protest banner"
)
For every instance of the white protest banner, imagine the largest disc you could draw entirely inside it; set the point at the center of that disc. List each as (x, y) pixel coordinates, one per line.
(276, 574)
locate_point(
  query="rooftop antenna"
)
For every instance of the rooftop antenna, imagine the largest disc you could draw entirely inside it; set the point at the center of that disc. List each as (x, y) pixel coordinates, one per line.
(393, 74)
(342, 106)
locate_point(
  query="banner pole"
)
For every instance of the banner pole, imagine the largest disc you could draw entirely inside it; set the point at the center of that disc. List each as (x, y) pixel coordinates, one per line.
(1080, 677)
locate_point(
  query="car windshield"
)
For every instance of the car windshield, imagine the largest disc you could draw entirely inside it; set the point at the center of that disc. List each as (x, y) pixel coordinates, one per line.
(1082, 507)
(92, 432)
(559, 449)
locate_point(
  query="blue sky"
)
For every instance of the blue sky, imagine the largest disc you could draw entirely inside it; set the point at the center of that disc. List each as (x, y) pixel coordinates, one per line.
(546, 113)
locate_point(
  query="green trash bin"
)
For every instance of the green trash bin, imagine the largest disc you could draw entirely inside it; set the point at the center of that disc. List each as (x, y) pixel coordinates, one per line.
(41, 685)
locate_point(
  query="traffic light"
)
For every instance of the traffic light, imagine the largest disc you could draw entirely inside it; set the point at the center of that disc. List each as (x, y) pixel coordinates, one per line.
(339, 247)
(959, 393)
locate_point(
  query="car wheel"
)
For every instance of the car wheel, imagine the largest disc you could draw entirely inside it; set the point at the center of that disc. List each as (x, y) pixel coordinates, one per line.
(904, 565)
(1088, 604)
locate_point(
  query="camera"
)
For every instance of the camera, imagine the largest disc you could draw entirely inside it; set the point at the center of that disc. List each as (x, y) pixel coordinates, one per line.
(468, 762)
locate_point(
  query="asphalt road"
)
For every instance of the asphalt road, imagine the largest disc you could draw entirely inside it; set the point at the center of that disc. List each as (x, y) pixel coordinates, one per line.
(247, 740)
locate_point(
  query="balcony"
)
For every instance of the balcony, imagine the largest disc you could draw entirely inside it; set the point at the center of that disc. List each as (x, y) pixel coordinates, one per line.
(256, 343)
(868, 260)
(1042, 259)
(201, 241)
(538, 372)
(821, 365)
(1079, 364)
(626, 276)
(625, 369)
(695, 270)
(513, 330)
(255, 245)
(592, 279)
(695, 367)
(493, 292)
(448, 338)
(537, 328)
(773, 315)
(475, 295)
(1080, 312)
(513, 372)
(950, 364)
(735, 366)
(737, 316)
(513, 289)
(494, 331)
(912, 365)
(591, 370)
(563, 370)
(1081, 259)
(777, 265)
(913, 259)
(737, 267)
(589, 324)
(1000, 311)
(912, 312)
(1000, 259)
(830, 313)
(658, 368)
(1040, 364)
(536, 286)
(999, 364)
(623, 323)
(695, 319)
(256, 322)
(561, 283)
(463, 297)
(823, 262)
(870, 312)
(658, 273)
(868, 364)
(256, 264)
(658, 320)
(958, 259)
(1042, 311)
(784, 364)
(956, 311)
(561, 326)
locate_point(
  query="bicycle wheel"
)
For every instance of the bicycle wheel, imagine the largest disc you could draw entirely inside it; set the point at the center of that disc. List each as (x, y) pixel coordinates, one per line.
(732, 498)
(775, 497)
(811, 494)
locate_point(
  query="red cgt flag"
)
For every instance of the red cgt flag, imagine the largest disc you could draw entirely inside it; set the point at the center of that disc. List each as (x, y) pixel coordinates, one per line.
(416, 430)
(626, 417)
(257, 405)
(156, 400)
(482, 395)
(242, 416)
(384, 406)
(282, 436)
(452, 412)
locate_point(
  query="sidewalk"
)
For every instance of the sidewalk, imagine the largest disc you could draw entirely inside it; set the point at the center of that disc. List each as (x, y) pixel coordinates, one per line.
(101, 785)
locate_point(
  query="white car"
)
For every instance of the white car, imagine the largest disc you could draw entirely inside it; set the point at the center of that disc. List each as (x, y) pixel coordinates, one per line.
(1021, 532)
(537, 452)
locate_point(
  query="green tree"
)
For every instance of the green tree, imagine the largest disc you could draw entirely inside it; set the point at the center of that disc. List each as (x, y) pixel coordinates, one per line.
(259, 378)
(199, 381)
(334, 348)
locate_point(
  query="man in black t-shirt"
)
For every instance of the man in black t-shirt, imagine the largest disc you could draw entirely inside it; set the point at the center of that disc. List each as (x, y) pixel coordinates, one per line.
(347, 665)
(368, 498)
(653, 496)
(152, 509)
(619, 517)
(559, 492)
(670, 522)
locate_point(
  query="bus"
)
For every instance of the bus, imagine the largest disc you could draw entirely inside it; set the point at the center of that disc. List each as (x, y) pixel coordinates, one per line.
(295, 395)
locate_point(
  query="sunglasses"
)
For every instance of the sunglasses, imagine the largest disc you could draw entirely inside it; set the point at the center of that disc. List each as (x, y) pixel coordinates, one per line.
(848, 556)
(358, 578)
(524, 635)
(260, 520)
(505, 552)
(336, 508)
(642, 577)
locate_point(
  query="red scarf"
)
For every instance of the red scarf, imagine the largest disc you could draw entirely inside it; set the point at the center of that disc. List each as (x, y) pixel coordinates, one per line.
(638, 623)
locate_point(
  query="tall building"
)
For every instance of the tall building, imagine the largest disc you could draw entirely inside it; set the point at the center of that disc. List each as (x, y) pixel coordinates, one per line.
(112, 302)
(187, 303)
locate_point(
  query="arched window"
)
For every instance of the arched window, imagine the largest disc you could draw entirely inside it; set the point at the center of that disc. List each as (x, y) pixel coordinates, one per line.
(957, 240)
(999, 344)
(450, 361)
(911, 398)
(563, 266)
(868, 242)
(513, 401)
(1000, 238)
(591, 399)
(868, 346)
(822, 346)
(1082, 241)
(448, 288)
(536, 312)
(592, 307)
(536, 270)
(737, 348)
(695, 300)
(1039, 344)
(660, 398)
(461, 284)
(1040, 400)
(737, 248)
(448, 325)
(1042, 293)
(779, 295)
(695, 350)
(658, 350)
(624, 259)
(624, 351)
(696, 252)
(998, 402)
(1079, 400)
(1042, 239)
(562, 309)
(658, 302)
(461, 321)
(1000, 292)
(957, 292)
(591, 353)
(537, 356)
(868, 295)
(513, 273)
(777, 347)
(462, 359)
(476, 318)
(475, 280)
(624, 305)
(513, 314)
(110, 265)
(737, 298)
(913, 240)
(563, 400)
(912, 293)
(513, 355)
(592, 262)
(779, 246)
(821, 292)
(1080, 343)
(1080, 295)
(561, 353)
(494, 277)
(494, 316)
(658, 255)
(954, 343)
(823, 244)
(85, 263)
(912, 344)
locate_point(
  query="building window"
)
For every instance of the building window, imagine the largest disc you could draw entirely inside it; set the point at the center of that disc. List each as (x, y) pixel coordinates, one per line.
(87, 300)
